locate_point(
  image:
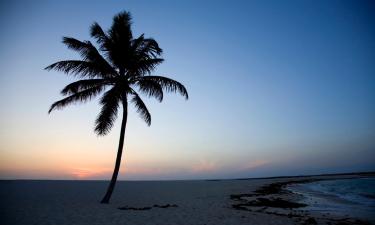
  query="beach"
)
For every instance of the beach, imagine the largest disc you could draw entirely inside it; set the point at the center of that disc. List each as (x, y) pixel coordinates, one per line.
(240, 201)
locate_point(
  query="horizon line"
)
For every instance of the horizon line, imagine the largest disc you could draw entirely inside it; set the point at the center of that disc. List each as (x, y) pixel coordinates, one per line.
(203, 179)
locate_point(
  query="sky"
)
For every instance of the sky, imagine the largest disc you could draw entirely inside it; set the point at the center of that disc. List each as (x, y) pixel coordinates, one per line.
(275, 88)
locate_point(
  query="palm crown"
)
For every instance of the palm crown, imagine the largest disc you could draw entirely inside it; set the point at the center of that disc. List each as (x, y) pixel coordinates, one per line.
(120, 67)
(125, 67)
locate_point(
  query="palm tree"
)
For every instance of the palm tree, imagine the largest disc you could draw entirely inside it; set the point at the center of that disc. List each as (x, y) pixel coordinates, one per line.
(120, 68)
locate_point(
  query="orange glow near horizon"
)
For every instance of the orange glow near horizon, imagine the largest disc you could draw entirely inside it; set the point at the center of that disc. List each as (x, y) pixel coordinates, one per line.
(87, 173)
(204, 166)
(132, 167)
(255, 164)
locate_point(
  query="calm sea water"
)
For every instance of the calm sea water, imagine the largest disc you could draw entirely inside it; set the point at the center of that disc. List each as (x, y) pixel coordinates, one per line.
(350, 197)
(360, 191)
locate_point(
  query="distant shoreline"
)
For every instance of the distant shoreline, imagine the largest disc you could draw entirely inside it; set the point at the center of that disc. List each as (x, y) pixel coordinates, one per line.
(315, 175)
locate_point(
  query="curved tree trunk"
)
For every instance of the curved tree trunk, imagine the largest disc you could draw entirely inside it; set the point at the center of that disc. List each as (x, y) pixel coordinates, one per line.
(119, 153)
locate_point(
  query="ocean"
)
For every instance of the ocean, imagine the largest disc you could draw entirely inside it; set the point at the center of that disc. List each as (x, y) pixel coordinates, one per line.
(348, 197)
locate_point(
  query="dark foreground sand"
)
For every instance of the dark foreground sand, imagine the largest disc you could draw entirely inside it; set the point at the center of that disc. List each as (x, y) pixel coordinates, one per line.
(251, 201)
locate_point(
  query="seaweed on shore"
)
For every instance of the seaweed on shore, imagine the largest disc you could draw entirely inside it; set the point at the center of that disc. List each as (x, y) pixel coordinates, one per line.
(270, 189)
(148, 207)
(276, 203)
(265, 202)
(165, 206)
(262, 197)
(134, 208)
(238, 197)
(277, 188)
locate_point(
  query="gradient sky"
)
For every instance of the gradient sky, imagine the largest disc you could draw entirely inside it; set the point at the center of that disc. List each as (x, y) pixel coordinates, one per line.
(276, 88)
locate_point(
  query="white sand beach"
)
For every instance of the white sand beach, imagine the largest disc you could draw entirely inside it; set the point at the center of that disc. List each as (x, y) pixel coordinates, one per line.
(169, 202)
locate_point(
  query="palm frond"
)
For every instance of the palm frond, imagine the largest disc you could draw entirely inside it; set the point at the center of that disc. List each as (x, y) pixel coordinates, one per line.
(151, 89)
(83, 47)
(120, 29)
(82, 85)
(148, 65)
(149, 47)
(80, 68)
(141, 108)
(82, 96)
(108, 114)
(141, 67)
(101, 37)
(137, 42)
(90, 54)
(144, 56)
(168, 84)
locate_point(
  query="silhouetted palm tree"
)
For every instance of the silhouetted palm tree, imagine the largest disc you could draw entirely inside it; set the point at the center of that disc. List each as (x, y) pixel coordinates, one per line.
(125, 67)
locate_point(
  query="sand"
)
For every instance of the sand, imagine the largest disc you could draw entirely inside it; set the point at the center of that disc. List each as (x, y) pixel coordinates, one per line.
(149, 202)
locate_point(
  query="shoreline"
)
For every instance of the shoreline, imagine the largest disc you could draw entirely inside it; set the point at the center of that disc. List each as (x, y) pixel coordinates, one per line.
(278, 198)
(341, 205)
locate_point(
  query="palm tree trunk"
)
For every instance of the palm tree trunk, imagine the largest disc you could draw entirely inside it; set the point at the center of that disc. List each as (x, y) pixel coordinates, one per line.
(111, 186)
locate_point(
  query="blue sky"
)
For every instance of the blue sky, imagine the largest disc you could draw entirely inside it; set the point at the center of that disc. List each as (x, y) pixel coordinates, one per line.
(276, 88)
